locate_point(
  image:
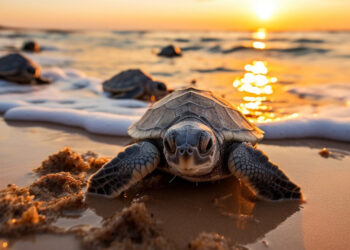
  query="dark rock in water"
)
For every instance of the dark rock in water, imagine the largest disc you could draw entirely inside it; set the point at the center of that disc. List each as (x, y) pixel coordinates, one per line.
(135, 84)
(31, 46)
(170, 51)
(17, 68)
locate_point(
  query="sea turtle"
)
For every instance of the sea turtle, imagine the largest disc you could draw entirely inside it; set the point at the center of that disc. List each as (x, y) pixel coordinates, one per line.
(31, 46)
(198, 136)
(17, 68)
(170, 51)
(134, 83)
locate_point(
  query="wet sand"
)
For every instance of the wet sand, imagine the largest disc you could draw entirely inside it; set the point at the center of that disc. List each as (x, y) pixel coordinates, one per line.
(183, 210)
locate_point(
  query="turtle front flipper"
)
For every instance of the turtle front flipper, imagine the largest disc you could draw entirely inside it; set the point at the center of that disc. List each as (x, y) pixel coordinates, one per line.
(253, 167)
(132, 94)
(129, 167)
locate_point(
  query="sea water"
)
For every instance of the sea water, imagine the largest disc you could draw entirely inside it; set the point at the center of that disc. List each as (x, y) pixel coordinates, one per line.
(290, 84)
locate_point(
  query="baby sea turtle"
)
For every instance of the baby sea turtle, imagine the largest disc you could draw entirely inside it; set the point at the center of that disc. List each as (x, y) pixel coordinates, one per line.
(170, 51)
(17, 68)
(198, 136)
(134, 83)
(31, 46)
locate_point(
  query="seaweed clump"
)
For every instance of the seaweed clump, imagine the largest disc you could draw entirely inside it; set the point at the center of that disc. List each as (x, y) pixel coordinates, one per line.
(132, 228)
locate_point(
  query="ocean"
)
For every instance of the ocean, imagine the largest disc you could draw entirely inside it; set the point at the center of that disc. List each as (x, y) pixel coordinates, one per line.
(291, 84)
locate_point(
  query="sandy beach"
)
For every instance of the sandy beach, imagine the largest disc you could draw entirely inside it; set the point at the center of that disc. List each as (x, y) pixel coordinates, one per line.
(81, 89)
(183, 210)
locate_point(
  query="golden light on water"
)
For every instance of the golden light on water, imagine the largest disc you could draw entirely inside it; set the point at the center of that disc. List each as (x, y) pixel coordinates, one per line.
(257, 85)
(260, 34)
(259, 45)
(255, 80)
(264, 8)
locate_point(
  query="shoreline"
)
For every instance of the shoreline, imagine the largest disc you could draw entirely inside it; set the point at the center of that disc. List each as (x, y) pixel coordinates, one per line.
(279, 224)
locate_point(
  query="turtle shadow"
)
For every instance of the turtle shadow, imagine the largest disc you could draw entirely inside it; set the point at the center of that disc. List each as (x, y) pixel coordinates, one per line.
(184, 209)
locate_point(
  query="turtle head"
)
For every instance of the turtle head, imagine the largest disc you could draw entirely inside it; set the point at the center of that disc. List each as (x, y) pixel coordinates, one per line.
(157, 89)
(191, 148)
(30, 71)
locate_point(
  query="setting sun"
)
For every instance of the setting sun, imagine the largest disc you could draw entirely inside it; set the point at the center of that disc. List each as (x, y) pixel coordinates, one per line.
(264, 8)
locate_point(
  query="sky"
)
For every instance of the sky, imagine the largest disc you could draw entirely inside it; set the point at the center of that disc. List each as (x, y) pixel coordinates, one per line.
(177, 14)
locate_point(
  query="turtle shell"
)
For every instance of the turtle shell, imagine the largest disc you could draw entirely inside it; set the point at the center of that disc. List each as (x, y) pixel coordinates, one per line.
(126, 81)
(214, 111)
(12, 63)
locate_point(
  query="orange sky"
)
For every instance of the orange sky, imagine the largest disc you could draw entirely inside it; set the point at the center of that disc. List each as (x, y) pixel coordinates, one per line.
(177, 14)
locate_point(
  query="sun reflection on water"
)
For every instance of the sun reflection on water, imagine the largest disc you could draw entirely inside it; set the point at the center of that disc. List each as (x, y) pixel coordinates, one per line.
(259, 45)
(255, 80)
(258, 86)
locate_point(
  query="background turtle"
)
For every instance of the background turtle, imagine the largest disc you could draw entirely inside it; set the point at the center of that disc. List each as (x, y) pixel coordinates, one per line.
(17, 68)
(200, 137)
(134, 83)
(170, 51)
(31, 46)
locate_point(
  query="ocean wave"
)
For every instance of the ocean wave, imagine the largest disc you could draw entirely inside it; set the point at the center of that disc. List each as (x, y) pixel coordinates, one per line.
(67, 101)
(191, 48)
(308, 40)
(215, 70)
(339, 92)
(300, 50)
(210, 39)
(329, 122)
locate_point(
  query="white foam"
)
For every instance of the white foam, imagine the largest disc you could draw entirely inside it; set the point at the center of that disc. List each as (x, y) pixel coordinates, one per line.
(71, 99)
(96, 122)
(76, 100)
(329, 122)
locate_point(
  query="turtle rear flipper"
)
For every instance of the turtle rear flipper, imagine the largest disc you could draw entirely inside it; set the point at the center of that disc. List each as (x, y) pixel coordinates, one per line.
(253, 167)
(129, 167)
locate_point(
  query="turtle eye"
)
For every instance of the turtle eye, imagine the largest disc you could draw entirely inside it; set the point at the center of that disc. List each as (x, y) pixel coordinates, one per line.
(205, 143)
(169, 143)
(161, 86)
(31, 70)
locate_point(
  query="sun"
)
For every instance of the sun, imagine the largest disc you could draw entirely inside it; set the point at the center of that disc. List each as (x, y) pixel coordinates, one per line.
(264, 8)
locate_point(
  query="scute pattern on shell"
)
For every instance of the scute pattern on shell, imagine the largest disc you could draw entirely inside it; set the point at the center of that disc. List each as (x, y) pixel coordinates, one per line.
(126, 81)
(214, 111)
(10, 64)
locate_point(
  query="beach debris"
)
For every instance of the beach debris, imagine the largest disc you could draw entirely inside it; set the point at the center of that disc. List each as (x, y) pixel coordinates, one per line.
(266, 243)
(187, 123)
(31, 46)
(132, 228)
(170, 51)
(213, 241)
(134, 84)
(325, 153)
(69, 161)
(193, 81)
(17, 68)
